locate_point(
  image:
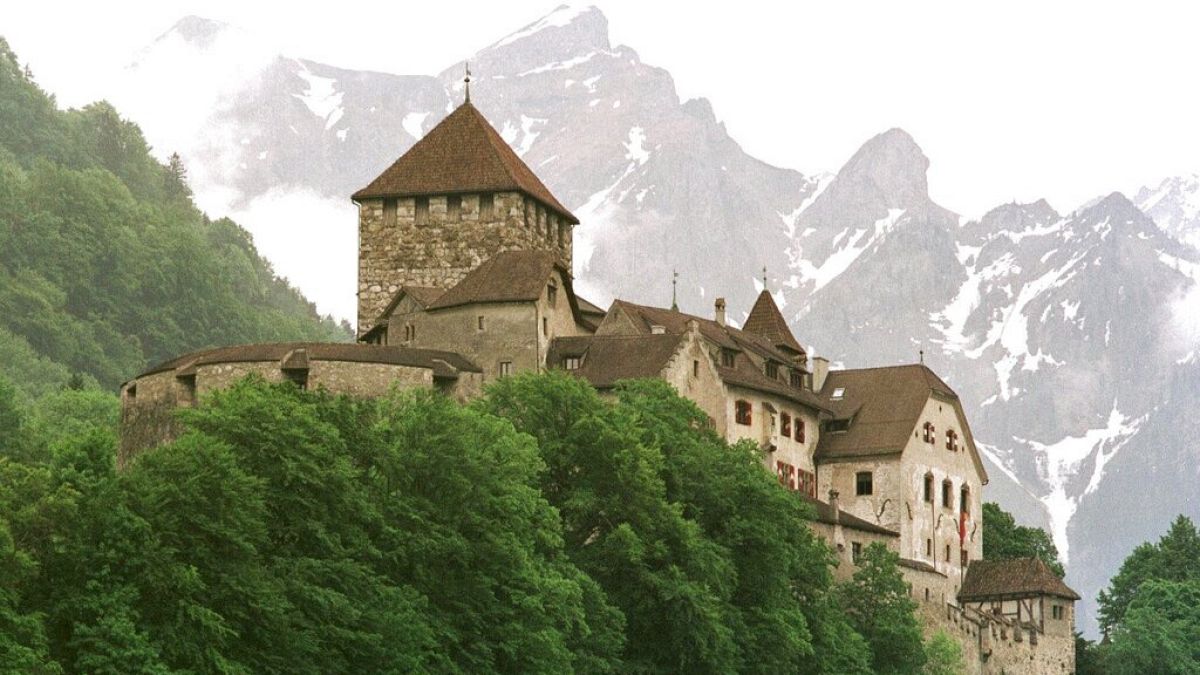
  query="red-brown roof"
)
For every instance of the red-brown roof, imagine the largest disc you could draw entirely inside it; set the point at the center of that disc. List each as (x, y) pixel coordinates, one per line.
(766, 320)
(508, 276)
(443, 364)
(463, 153)
(1019, 577)
(608, 359)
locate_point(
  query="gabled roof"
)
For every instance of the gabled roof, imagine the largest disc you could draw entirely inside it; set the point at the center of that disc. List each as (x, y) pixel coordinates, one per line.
(508, 276)
(766, 320)
(1019, 577)
(423, 295)
(463, 153)
(443, 364)
(744, 373)
(884, 406)
(590, 308)
(607, 359)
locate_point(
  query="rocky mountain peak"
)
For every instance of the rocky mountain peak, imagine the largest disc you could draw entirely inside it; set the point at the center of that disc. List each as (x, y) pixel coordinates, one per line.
(197, 30)
(568, 31)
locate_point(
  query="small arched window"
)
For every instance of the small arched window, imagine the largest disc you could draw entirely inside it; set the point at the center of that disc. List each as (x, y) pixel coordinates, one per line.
(947, 494)
(929, 487)
(742, 412)
(965, 499)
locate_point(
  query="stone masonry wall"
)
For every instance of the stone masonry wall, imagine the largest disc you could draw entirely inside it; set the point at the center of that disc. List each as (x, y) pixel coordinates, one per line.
(445, 246)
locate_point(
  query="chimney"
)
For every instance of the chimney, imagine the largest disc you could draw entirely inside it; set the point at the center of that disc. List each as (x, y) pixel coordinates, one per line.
(693, 326)
(720, 311)
(819, 372)
(835, 507)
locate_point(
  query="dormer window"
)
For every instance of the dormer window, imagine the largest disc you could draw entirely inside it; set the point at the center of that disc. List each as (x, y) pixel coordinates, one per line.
(796, 379)
(772, 370)
(727, 356)
(571, 363)
(838, 394)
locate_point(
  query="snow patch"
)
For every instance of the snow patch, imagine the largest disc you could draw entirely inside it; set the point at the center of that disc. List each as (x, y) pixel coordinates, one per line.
(841, 259)
(321, 98)
(635, 149)
(413, 124)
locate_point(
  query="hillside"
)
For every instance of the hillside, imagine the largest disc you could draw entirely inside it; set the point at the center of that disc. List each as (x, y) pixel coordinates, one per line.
(106, 265)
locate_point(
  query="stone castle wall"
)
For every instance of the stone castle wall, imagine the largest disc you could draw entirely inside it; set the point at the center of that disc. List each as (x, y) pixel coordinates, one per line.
(149, 403)
(438, 247)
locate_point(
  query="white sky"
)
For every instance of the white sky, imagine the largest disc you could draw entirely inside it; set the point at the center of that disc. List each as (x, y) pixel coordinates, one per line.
(1012, 100)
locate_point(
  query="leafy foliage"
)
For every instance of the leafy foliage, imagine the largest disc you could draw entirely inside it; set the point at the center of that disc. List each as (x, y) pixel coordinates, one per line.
(1175, 557)
(876, 600)
(944, 655)
(105, 263)
(1004, 539)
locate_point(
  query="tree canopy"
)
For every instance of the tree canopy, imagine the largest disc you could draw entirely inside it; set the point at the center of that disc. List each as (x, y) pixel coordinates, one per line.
(1004, 539)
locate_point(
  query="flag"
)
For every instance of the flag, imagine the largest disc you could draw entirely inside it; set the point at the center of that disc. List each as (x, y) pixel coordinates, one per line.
(962, 528)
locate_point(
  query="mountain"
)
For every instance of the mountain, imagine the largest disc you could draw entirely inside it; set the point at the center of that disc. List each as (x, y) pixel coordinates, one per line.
(1175, 205)
(106, 266)
(1072, 338)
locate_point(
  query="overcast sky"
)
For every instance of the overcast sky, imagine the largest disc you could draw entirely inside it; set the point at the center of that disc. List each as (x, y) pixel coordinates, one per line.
(1012, 100)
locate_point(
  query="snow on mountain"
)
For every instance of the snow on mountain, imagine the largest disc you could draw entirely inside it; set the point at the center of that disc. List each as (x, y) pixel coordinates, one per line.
(1175, 205)
(1072, 338)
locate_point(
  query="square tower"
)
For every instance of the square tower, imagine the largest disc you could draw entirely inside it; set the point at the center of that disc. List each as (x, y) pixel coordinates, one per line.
(454, 200)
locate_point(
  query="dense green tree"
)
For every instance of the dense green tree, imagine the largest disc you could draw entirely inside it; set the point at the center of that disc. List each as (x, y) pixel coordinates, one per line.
(11, 420)
(1004, 539)
(1089, 658)
(691, 538)
(877, 601)
(1175, 557)
(943, 655)
(105, 263)
(1159, 632)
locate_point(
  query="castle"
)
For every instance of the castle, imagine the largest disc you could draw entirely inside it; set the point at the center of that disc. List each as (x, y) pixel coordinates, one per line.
(465, 276)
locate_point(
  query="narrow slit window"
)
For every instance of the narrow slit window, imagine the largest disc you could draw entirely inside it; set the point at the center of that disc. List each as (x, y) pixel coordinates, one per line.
(421, 210)
(486, 206)
(389, 212)
(453, 208)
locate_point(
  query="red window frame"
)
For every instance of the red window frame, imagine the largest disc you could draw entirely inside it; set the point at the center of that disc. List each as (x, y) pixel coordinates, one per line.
(799, 430)
(808, 483)
(786, 474)
(785, 425)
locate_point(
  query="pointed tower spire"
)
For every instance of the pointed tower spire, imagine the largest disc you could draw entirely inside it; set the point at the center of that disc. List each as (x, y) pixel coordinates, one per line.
(764, 277)
(467, 80)
(674, 283)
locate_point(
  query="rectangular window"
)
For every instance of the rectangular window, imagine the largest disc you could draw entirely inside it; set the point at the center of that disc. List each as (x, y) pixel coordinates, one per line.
(486, 206)
(947, 494)
(552, 294)
(421, 210)
(695, 368)
(479, 325)
(742, 412)
(545, 326)
(863, 483)
(1056, 611)
(453, 208)
(796, 378)
(785, 426)
(855, 551)
(947, 552)
(963, 558)
(799, 430)
(727, 358)
(571, 363)
(929, 547)
(772, 370)
(505, 368)
(929, 488)
(389, 212)
(808, 483)
(839, 393)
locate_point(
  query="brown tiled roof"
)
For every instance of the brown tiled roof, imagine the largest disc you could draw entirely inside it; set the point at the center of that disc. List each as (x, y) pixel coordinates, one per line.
(744, 373)
(1020, 577)
(443, 364)
(766, 320)
(463, 153)
(590, 308)
(424, 295)
(509, 276)
(608, 359)
(824, 514)
(884, 406)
